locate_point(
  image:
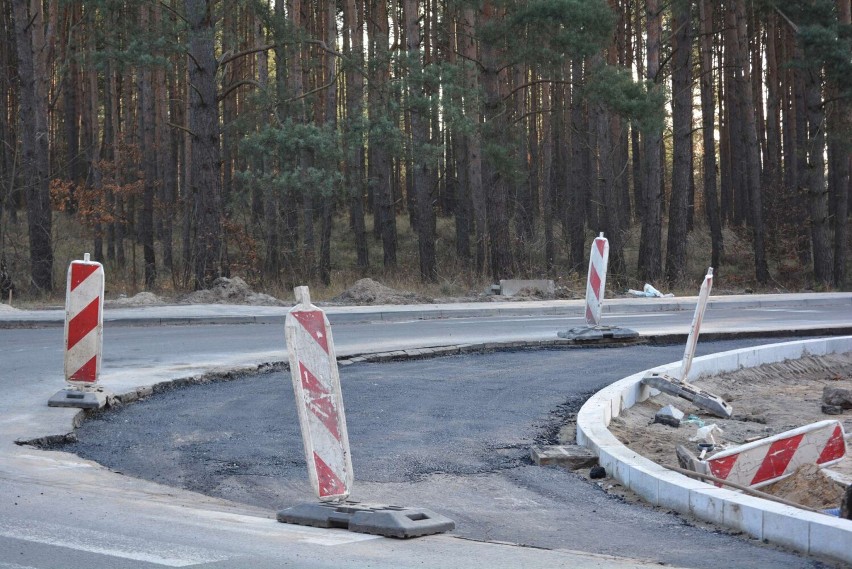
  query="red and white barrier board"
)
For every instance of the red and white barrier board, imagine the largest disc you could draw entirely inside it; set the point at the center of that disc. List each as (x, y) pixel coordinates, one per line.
(695, 329)
(596, 281)
(319, 400)
(84, 321)
(767, 460)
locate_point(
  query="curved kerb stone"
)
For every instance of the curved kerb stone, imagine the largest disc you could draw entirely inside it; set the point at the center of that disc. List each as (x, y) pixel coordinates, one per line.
(804, 531)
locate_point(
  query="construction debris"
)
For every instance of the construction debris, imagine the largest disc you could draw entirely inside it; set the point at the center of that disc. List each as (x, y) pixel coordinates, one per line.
(837, 397)
(572, 457)
(669, 415)
(708, 401)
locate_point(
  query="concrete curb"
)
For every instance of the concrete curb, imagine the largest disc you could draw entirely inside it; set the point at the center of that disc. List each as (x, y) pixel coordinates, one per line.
(810, 533)
(242, 314)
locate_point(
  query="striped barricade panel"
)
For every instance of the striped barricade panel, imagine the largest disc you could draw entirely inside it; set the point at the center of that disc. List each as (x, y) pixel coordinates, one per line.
(84, 301)
(768, 460)
(316, 384)
(596, 281)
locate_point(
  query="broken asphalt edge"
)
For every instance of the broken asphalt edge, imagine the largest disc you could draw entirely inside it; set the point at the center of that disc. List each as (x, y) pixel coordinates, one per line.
(807, 532)
(203, 314)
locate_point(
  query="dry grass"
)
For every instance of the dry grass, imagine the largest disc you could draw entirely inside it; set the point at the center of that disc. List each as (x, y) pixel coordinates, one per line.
(455, 276)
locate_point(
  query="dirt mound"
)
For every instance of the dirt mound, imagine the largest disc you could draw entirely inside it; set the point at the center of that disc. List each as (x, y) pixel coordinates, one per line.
(141, 299)
(230, 291)
(7, 308)
(368, 291)
(808, 486)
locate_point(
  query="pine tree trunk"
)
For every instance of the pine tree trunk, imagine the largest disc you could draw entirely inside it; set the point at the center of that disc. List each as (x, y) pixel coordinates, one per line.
(840, 155)
(711, 199)
(576, 177)
(421, 167)
(474, 141)
(682, 144)
(816, 188)
(380, 163)
(203, 123)
(755, 200)
(146, 115)
(32, 113)
(650, 254)
(355, 160)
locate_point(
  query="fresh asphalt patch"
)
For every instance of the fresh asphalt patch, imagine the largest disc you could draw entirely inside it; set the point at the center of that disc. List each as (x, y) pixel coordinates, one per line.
(451, 434)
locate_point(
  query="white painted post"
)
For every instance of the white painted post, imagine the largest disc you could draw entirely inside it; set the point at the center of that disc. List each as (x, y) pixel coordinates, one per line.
(319, 400)
(695, 329)
(596, 281)
(84, 322)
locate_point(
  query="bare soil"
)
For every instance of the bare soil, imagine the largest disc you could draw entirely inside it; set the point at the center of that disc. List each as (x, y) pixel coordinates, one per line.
(767, 400)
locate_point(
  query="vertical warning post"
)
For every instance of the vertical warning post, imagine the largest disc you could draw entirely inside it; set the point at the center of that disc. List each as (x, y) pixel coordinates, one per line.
(84, 322)
(596, 282)
(695, 329)
(319, 400)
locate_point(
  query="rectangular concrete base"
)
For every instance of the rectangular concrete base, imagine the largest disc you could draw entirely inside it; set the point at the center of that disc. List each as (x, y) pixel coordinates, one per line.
(75, 398)
(388, 521)
(572, 457)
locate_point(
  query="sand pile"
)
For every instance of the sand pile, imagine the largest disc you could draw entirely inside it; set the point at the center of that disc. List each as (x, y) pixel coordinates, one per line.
(7, 308)
(368, 291)
(808, 486)
(141, 299)
(230, 291)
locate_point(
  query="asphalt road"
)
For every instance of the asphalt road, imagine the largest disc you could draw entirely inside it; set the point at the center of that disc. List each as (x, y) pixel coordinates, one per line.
(58, 511)
(451, 434)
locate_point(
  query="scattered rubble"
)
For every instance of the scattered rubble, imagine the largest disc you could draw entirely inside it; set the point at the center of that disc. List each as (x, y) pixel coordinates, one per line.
(837, 397)
(669, 415)
(367, 291)
(597, 472)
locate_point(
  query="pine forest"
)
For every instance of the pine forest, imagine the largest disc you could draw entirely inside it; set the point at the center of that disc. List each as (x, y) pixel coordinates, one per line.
(298, 142)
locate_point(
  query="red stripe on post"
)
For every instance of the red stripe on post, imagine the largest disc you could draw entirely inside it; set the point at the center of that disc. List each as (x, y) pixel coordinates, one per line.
(595, 281)
(329, 483)
(834, 448)
(777, 459)
(321, 403)
(85, 321)
(600, 243)
(89, 371)
(314, 323)
(80, 272)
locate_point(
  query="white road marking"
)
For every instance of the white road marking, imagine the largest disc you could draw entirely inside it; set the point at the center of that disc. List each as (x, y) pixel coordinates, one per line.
(114, 545)
(784, 310)
(606, 316)
(14, 566)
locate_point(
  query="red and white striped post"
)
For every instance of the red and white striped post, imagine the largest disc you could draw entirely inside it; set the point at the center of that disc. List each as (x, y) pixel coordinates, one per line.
(84, 321)
(596, 282)
(319, 400)
(695, 329)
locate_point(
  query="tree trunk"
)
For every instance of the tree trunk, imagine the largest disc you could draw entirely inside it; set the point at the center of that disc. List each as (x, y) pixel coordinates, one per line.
(816, 189)
(574, 219)
(650, 255)
(421, 166)
(32, 112)
(841, 160)
(711, 199)
(355, 160)
(380, 163)
(203, 123)
(755, 200)
(682, 144)
(146, 115)
(474, 140)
